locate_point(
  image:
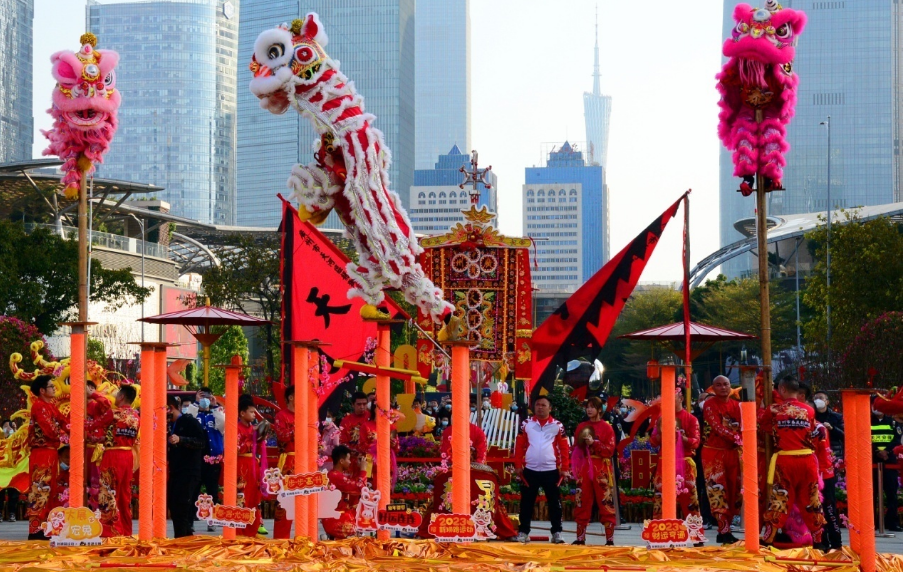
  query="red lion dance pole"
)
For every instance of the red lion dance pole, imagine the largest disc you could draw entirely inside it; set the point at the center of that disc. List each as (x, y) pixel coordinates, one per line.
(759, 77)
(351, 159)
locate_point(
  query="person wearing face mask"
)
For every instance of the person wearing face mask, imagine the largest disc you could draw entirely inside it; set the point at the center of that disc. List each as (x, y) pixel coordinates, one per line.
(284, 427)
(886, 436)
(184, 454)
(213, 420)
(47, 430)
(831, 420)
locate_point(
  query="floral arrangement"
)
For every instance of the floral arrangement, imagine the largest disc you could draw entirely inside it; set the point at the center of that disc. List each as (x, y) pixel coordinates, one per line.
(417, 447)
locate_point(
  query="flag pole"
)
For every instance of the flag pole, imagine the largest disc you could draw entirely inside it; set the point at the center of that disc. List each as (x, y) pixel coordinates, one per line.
(687, 297)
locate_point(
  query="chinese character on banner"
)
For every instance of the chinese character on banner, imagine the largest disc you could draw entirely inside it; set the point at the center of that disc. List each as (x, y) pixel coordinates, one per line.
(73, 527)
(453, 527)
(643, 467)
(671, 533)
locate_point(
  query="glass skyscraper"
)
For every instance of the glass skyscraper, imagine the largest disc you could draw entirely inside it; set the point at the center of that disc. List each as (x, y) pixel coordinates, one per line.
(849, 62)
(374, 42)
(443, 79)
(566, 205)
(177, 73)
(16, 119)
(597, 109)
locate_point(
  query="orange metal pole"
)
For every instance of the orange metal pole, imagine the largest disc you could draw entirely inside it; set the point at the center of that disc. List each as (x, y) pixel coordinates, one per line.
(667, 457)
(750, 484)
(160, 431)
(383, 359)
(852, 465)
(865, 477)
(311, 447)
(77, 365)
(231, 444)
(146, 452)
(461, 432)
(301, 379)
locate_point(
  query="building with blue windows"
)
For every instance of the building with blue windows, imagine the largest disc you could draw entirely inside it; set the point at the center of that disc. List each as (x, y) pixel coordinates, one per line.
(177, 74)
(566, 208)
(849, 62)
(16, 118)
(374, 42)
(442, 79)
(597, 109)
(435, 199)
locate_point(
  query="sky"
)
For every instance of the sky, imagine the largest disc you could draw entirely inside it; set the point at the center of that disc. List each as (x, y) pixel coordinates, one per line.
(531, 61)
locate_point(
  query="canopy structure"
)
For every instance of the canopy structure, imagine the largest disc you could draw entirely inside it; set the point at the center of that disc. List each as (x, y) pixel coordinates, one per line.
(198, 321)
(702, 337)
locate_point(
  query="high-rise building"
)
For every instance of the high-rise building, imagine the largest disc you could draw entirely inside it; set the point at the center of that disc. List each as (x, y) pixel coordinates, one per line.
(856, 79)
(374, 42)
(442, 79)
(597, 109)
(565, 207)
(435, 199)
(16, 119)
(177, 74)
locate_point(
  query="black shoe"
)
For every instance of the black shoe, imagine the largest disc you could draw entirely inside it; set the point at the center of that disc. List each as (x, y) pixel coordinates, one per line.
(610, 543)
(893, 528)
(731, 538)
(579, 542)
(698, 545)
(821, 546)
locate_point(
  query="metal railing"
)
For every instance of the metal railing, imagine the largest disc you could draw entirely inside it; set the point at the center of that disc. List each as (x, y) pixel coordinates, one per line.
(108, 240)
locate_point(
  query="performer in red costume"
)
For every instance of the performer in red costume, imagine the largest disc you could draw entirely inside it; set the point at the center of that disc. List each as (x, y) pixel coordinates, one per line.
(284, 426)
(350, 487)
(688, 439)
(478, 444)
(98, 417)
(116, 467)
(249, 468)
(591, 461)
(721, 456)
(793, 476)
(358, 433)
(47, 429)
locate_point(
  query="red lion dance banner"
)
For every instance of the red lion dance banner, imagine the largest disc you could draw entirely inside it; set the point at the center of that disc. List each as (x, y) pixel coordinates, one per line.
(485, 276)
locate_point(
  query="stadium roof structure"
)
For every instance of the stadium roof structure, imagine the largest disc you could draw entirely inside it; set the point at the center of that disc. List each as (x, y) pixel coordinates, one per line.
(779, 228)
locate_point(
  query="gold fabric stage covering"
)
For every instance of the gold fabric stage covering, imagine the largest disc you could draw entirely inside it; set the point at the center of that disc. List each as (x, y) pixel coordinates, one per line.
(206, 554)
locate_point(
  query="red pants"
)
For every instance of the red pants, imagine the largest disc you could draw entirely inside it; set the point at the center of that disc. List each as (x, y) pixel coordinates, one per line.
(43, 470)
(722, 471)
(344, 526)
(687, 502)
(115, 496)
(598, 490)
(249, 485)
(282, 527)
(796, 481)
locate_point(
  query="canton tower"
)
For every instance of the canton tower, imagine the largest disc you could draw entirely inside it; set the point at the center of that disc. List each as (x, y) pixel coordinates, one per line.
(597, 108)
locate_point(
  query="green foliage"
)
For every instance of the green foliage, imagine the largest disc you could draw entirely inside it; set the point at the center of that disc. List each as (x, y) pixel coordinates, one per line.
(193, 375)
(567, 409)
(866, 281)
(735, 305)
(97, 352)
(232, 342)
(39, 278)
(876, 352)
(15, 337)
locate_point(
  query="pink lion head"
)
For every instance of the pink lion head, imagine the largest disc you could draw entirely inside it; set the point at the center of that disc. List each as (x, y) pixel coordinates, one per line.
(768, 34)
(85, 102)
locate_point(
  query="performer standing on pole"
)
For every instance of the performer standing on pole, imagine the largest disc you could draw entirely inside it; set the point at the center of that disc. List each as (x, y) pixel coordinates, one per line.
(721, 457)
(591, 459)
(47, 429)
(284, 427)
(116, 466)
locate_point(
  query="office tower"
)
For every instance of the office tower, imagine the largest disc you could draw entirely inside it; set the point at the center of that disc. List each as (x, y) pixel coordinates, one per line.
(849, 62)
(597, 109)
(566, 209)
(374, 42)
(435, 199)
(16, 119)
(442, 79)
(176, 74)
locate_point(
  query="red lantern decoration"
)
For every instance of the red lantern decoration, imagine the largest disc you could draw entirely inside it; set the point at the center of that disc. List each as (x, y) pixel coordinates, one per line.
(653, 369)
(496, 399)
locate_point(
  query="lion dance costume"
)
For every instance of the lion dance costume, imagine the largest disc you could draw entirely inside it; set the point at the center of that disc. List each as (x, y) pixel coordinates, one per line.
(758, 77)
(85, 103)
(349, 174)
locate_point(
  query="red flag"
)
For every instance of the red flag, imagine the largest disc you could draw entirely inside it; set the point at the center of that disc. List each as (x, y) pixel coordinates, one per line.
(315, 296)
(586, 318)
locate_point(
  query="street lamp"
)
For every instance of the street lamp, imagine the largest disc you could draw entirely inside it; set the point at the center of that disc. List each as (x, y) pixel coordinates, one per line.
(828, 125)
(141, 224)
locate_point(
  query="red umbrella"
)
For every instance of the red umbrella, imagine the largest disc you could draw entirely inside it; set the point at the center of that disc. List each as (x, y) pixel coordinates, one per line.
(198, 322)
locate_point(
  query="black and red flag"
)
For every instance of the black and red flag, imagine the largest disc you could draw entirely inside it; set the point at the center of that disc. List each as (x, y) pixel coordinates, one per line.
(316, 305)
(582, 323)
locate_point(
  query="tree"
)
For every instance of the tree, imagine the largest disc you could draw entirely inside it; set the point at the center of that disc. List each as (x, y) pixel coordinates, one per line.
(39, 278)
(735, 305)
(874, 356)
(232, 342)
(16, 336)
(97, 352)
(866, 281)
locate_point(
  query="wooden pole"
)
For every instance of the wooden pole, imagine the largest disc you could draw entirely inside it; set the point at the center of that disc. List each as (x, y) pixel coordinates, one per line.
(77, 416)
(301, 379)
(763, 271)
(146, 453)
(160, 435)
(230, 457)
(383, 358)
(461, 431)
(749, 474)
(852, 467)
(863, 444)
(667, 458)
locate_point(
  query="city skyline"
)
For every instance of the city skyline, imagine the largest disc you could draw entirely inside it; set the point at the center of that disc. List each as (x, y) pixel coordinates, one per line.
(16, 106)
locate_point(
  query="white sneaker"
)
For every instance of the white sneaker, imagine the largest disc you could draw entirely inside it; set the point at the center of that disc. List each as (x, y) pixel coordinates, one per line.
(523, 538)
(557, 538)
